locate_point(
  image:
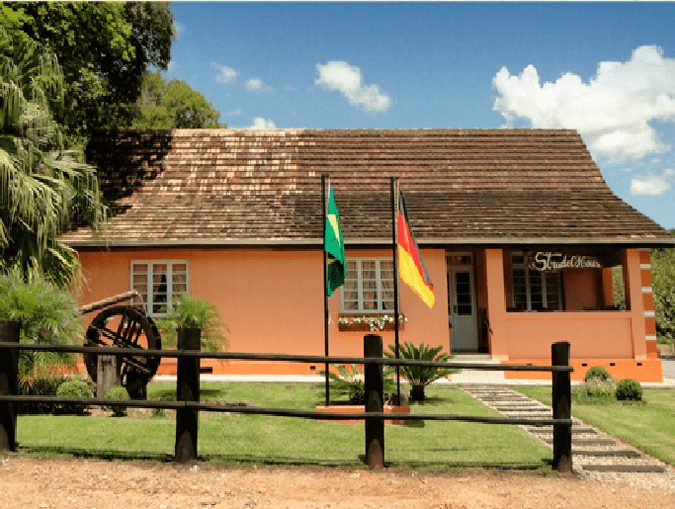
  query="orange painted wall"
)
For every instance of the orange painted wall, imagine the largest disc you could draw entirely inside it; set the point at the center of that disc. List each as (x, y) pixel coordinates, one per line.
(591, 334)
(272, 300)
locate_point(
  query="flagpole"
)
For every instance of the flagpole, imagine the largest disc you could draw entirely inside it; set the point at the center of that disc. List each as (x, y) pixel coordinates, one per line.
(324, 207)
(394, 208)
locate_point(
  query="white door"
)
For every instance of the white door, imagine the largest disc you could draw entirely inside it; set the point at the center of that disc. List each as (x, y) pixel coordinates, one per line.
(462, 309)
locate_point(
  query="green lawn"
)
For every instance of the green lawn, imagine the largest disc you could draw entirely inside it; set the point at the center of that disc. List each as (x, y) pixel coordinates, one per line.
(254, 439)
(650, 427)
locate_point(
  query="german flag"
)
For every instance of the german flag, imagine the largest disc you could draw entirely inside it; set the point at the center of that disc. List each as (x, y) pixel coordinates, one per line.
(410, 264)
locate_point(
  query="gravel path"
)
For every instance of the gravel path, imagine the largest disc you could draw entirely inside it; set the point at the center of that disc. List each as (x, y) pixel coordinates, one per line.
(595, 454)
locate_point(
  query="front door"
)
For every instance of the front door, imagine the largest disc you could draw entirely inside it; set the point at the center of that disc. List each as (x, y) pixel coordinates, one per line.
(462, 309)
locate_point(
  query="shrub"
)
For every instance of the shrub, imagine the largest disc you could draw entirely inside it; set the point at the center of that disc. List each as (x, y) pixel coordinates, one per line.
(629, 389)
(420, 376)
(597, 373)
(45, 386)
(74, 389)
(47, 314)
(595, 391)
(352, 382)
(117, 392)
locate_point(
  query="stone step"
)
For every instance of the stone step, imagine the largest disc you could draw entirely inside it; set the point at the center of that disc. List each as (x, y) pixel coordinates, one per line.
(549, 429)
(628, 453)
(522, 409)
(626, 468)
(589, 442)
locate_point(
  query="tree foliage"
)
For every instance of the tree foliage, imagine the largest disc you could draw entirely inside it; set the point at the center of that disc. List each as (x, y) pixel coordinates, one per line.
(42, 190)
(663, 285)
(104, 49)
(173, 105)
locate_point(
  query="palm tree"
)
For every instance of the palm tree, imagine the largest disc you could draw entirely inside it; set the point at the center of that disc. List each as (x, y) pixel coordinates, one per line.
(42, 192)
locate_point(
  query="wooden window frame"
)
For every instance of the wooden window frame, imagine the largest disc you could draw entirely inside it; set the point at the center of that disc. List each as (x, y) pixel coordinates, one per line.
(530, 274)
(360, 291)
(147, 301)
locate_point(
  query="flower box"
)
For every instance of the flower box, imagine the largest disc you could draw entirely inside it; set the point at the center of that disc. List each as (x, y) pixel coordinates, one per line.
(370, 322)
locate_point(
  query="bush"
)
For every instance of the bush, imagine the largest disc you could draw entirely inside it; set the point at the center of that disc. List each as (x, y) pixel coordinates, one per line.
(47, 314)
(420, 376)
(597, 373)
(351, 381)
(45, 386)
(74, 389)
(595, 391)
(629, 389)
(117, 392)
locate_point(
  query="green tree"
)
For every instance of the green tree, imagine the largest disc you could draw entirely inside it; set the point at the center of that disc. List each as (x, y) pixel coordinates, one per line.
(663, 285)
(173, 105)
(104, 49)
(43, 191)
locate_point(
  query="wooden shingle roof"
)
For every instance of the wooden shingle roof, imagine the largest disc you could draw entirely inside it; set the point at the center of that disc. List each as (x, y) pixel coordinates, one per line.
(213, 187)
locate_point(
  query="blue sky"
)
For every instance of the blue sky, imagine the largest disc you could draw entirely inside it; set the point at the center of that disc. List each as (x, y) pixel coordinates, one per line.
(606, 69)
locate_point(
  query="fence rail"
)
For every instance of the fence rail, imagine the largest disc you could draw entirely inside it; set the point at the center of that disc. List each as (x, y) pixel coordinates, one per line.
(188, 404)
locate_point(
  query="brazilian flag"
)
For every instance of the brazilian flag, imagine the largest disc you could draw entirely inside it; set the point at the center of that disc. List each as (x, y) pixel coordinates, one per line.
(334, 246)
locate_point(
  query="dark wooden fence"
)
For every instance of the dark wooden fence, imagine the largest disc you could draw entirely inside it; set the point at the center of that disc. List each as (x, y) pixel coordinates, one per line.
(188, 405)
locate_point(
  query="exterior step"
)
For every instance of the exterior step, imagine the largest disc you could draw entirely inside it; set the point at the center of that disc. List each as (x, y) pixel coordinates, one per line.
(628, 453)
(626, 468)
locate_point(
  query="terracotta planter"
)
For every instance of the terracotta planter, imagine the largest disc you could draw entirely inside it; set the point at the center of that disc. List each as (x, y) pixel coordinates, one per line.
(356, 409)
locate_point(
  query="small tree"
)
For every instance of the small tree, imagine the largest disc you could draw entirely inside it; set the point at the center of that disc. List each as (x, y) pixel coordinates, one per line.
(420, 376)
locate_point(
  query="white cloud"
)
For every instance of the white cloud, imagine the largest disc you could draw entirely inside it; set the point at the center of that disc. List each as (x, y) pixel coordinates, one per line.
(225, 74)
(652, 185)
(262, 123)
(256, 85)
(347, 79)
(612, 111)
(179, 28)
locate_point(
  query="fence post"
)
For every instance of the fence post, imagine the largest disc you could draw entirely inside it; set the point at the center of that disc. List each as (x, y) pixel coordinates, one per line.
(562, 408)
(187, 389)
(374, 382)
(9, 385)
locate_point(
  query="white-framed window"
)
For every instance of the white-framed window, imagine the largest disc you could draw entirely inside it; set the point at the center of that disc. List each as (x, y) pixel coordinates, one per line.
(159, 282)
(369, 286)
(534, 290)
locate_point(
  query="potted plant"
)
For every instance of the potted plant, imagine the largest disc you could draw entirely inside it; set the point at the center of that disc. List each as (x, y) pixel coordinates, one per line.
(191, 314)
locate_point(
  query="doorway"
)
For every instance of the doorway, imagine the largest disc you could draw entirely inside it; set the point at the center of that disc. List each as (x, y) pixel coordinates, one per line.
(462, 316)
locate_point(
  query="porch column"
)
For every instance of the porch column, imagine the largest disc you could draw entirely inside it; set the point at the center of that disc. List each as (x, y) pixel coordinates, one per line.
(633, 279)
(496, 304)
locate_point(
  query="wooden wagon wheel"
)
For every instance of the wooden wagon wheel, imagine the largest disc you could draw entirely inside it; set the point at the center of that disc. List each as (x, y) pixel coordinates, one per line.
(127, 327)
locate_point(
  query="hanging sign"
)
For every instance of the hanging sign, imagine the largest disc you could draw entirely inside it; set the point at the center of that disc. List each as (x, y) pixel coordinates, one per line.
(544, 261)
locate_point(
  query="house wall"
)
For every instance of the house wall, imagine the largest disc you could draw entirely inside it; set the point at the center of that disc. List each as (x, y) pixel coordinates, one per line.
(272, 300)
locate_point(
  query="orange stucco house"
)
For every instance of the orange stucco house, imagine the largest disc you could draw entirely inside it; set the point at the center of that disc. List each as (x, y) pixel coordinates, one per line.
(517, 228)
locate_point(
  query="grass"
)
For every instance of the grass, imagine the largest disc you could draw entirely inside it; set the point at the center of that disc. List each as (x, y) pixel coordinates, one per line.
(239, 439)
(648, 426)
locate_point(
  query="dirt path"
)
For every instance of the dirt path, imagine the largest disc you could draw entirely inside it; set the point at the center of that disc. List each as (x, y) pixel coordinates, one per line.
(27, 482)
